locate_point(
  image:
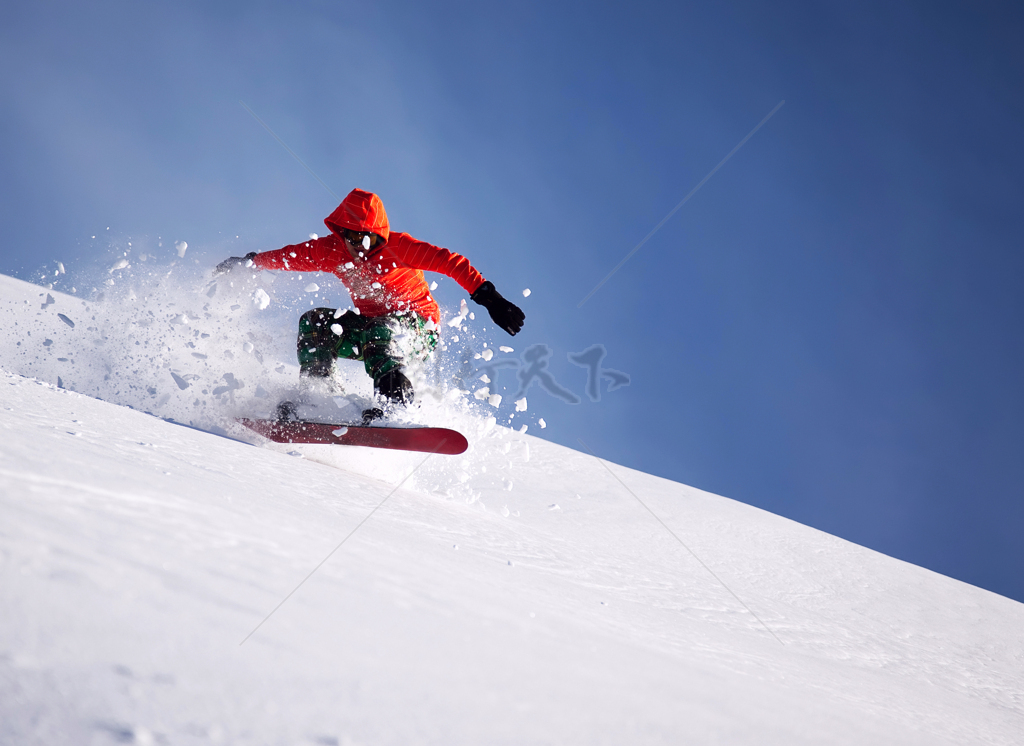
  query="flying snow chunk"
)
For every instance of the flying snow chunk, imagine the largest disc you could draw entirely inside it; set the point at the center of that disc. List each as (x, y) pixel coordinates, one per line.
(463, 312)
(182, 383)
(313, 236)
(119, 264)
(181, 248)
(60, 267)
(494, 400)
(521, 404)
(487, 354)
(337, 329)
(180, 319)
(66, 320)
(339, 432)
(366, 243)
(526, 293)
(481, 393)
(247, 347)
(542, 423)
(260, 299)
(433, 285)
(505, 348)
(312, 288)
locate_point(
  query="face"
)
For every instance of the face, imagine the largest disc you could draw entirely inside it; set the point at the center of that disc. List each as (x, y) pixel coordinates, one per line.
(360, 243)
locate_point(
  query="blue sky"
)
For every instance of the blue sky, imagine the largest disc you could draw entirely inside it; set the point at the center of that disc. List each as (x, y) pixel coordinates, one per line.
(830, 329)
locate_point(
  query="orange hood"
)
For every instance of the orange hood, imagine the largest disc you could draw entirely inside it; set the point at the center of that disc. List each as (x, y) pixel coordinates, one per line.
(360, 211)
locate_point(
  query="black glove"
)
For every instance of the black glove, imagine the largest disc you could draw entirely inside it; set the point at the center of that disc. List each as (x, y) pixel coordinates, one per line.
(231, 262)
(505, 314)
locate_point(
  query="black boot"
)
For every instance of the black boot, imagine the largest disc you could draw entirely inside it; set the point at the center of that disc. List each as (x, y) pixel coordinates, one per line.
(395, 387)
(375, 413)
(286, 411)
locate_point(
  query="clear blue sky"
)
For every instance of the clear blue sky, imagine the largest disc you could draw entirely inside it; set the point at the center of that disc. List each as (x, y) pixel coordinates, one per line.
(830, 329)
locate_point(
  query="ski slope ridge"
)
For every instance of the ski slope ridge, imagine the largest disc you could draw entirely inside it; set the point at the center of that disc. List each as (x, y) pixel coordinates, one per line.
(136, 555)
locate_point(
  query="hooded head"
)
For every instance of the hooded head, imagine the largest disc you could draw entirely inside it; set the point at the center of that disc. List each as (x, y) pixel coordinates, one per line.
(360, 211)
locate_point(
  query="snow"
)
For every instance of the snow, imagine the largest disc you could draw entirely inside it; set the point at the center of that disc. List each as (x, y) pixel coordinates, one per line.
(136, 555)
(457, 320)
(260, 298)
(180, 246)
(135, 343)
(526, 293)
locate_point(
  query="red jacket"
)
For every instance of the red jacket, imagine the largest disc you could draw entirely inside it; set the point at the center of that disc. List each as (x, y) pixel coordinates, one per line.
(390, 278)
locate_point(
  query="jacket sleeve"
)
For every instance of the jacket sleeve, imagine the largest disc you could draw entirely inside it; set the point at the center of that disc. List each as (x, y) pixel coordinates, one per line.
(315, 255)
(422, 255)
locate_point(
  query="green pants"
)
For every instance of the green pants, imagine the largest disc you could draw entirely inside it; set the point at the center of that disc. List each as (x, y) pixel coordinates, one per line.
(383, 343)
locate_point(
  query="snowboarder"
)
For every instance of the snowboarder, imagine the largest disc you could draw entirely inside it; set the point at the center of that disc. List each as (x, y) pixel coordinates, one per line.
(396, 317)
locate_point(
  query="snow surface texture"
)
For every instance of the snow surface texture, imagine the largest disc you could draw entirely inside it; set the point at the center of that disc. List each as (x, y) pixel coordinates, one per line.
(136, 554)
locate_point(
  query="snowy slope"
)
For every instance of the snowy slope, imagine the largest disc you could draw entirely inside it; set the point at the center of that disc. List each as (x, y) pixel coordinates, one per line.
(136, 555)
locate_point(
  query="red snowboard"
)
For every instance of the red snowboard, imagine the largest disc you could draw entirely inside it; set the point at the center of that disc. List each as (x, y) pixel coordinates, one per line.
(424, 439)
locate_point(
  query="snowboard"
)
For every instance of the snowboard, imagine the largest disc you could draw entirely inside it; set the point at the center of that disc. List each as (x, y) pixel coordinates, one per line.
(423, 439)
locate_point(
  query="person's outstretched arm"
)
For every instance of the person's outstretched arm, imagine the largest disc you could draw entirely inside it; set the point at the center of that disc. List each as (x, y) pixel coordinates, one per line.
(315, 255)
(425, 256)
